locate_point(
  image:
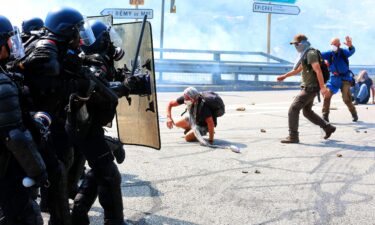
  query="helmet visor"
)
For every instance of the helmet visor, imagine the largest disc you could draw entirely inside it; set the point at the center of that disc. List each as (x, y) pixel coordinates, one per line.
(87, 36)
(115, 37)
(16, 50)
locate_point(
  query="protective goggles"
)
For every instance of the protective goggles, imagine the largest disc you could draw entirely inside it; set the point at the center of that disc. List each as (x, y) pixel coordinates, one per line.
(17, 50)
(86, 34)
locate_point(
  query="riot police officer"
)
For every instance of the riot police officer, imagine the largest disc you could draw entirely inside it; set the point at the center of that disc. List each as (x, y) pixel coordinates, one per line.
(104, 179)
(29, 26)
(47, 73)
(19, 157)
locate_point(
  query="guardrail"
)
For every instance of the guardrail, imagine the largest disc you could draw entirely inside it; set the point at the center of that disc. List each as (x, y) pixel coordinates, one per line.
(215, 66)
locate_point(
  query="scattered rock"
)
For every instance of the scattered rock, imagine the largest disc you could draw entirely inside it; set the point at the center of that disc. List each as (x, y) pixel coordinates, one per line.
(241, 109)
(357, 131)
(253, 103)
(257, 171)
(365, 131)
(263, 130)
(339, 155)
(245, 171)
(366, 107)
(333, 108)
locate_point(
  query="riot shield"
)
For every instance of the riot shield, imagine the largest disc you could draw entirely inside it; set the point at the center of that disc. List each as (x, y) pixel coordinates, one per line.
(107, 19)
(137, 115)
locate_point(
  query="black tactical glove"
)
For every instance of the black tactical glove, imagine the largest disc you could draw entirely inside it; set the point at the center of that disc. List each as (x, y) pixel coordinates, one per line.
(92, 60)
(139, 84)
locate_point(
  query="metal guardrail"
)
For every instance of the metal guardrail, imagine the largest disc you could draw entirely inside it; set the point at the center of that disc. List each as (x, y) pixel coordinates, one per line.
(216, 66)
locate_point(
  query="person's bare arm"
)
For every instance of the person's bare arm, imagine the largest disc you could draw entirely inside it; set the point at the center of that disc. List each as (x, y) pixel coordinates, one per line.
(211, 129)
(319, 75)
(171, 104)
(289, 74)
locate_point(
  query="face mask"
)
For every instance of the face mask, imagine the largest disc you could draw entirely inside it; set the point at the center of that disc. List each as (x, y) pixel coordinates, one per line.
(334, 48)
(300, 47)
(188, 102)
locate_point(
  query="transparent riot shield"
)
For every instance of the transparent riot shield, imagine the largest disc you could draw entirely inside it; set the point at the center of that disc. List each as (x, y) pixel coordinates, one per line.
(137, 115)
(107, 19)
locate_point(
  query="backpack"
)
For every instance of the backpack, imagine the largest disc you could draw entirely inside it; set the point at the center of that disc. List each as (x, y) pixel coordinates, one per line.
(214, 102)
(323, 65)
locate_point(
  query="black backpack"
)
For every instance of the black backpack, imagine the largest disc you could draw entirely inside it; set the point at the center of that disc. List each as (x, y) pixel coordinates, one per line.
(323, 65)
(214, 102)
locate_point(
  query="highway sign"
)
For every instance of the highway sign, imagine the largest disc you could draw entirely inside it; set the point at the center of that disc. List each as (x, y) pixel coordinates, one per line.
(280, 1)
(119, 13)
(276, 9)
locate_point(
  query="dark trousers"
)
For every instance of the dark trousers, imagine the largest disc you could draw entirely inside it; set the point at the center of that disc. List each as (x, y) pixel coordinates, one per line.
(15, 200)
(58, 155)
(346, 97)
(103, 180)
(303, 101)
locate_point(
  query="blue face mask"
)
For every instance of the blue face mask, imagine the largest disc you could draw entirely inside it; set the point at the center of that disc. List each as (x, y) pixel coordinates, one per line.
(302, 46)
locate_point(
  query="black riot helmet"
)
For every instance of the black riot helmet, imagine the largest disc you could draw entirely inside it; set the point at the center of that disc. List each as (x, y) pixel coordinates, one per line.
(105, 37)
(8, 33)
(32, 24)
(69, 23)
(6, 30)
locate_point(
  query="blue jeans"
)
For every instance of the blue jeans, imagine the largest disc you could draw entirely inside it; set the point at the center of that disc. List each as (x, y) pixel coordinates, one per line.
(361, 93)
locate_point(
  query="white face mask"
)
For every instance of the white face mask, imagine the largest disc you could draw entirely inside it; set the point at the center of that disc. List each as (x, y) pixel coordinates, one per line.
(334, 48)
(188, 102)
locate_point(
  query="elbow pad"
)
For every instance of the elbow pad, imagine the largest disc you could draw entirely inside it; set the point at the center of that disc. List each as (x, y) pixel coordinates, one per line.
(20, 143)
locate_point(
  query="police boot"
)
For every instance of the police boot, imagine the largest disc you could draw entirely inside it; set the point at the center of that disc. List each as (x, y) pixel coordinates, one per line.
(329, 129)
(355, 117)
(110, 196)
(290, 140)
(58, 203)
(84, 200)
(116, 147)
(31, 215)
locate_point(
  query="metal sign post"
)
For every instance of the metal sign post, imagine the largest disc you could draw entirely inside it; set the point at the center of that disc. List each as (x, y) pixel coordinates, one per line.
(269, 35)
(270, 9)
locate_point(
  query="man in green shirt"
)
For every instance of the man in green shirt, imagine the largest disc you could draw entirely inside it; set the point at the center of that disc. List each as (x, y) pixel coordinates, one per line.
(312, 82)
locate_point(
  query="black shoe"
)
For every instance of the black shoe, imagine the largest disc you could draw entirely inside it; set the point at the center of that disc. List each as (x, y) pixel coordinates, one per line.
(290, 140)
(329, 131)
(355, 117)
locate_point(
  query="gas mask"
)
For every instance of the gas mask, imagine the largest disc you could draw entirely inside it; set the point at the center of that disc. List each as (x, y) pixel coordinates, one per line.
(189, 103)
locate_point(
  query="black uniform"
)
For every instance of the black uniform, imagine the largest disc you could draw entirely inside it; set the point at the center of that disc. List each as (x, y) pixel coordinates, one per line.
(19, 158)
(48, 82)
(104, 179)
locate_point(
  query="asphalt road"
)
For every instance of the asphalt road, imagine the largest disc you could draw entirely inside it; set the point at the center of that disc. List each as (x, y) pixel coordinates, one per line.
(315, 182)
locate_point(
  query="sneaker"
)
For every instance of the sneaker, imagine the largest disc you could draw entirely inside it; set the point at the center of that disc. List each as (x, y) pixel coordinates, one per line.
(290, 140)
(329, 131)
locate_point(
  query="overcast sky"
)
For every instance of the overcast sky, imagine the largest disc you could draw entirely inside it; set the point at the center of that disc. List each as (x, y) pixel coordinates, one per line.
(231, 25)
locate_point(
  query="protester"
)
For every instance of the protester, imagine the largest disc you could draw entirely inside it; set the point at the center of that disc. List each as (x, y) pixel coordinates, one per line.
(340, 76)
(200, 115)
(361, 89)
(312, 81)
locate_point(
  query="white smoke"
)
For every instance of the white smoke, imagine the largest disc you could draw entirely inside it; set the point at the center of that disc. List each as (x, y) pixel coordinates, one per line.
(231, 25)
